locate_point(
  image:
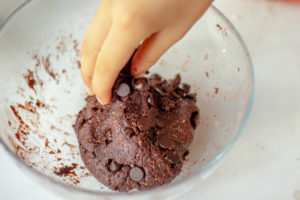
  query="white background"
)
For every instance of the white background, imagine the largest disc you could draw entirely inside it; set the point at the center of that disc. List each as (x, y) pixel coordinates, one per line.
(265, 162)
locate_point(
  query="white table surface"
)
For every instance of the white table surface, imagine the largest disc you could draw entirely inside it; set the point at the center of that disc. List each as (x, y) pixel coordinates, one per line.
(265, 162)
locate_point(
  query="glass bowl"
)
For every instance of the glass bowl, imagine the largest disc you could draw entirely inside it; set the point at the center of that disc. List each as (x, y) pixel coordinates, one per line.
(41, 93)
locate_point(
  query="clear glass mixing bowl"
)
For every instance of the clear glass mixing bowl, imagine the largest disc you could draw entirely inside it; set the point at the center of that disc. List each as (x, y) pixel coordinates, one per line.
(41, 92)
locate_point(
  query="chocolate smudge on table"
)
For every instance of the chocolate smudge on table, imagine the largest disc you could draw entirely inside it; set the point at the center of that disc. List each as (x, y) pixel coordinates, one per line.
(207, 74)
(24, 118)
(47, 65)
(216, 91)
(223, 30)
(21, 133)
(30, 79)
(66, 170)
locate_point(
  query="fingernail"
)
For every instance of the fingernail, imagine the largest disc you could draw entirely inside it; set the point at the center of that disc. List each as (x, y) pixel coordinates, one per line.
(99, 100)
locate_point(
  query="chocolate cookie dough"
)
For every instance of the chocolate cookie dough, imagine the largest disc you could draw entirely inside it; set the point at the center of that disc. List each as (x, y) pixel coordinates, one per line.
(141, 138)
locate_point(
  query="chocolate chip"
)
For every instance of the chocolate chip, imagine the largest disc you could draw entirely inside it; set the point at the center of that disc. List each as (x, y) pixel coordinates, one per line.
(114, 166)
(155, 77)
(137, 98)
(186, 153)
(144, 123)
(175, 82)
(136, 174)
(180, 92)
(129, 131)
(166, 143)
(156, 83)
(194, 119)
(151, 135)
(123, 90)
(174, 94)
(192, 96)
(166, 87)
(141, 84)
(160, 91)
(147, 141)
(172, 157)
(160, 123)
(186, 88)
(150, 100)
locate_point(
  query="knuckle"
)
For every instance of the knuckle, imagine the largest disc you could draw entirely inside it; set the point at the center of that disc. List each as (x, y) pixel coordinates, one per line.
(126, 20)
(126, 17)
(133, 20)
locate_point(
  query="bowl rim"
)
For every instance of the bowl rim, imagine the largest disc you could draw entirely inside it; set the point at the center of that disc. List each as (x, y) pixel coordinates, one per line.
(167, 186)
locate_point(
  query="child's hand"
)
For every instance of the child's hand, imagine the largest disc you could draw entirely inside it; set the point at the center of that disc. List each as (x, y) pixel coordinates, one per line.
(118, 28)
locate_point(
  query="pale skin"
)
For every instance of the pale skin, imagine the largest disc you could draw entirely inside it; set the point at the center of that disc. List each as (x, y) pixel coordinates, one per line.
(120, 26)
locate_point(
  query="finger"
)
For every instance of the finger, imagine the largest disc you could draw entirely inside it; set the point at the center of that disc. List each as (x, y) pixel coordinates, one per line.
(92, 43)
(151, 50)
(115, 53)
(156, 45)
